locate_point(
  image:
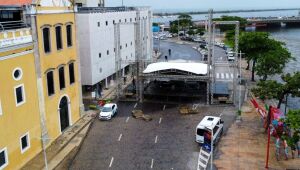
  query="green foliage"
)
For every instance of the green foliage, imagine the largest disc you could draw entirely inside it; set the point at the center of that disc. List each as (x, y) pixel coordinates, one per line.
(271, 89)
(155, 24)
(191, 32)
(271, 55)
(224, 28)
(185, 16)
(293, 120)
(272, 61)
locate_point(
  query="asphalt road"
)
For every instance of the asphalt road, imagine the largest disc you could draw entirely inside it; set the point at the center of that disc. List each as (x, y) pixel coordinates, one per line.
(166, 142)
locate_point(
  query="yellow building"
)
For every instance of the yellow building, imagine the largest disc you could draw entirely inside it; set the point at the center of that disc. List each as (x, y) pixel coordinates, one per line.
(20, 129)
(40, 90)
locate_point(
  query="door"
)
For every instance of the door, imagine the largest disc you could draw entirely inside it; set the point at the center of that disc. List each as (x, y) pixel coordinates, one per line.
(64, 114)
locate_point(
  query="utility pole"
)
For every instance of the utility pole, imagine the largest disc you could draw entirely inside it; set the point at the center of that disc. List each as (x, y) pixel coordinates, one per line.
(210, 16)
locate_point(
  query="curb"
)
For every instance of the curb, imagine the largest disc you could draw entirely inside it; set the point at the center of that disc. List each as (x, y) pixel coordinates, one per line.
(63, 146)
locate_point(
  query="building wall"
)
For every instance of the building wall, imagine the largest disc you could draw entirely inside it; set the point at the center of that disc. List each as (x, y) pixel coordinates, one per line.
(15, 121)
(95, 40)
(54, 60)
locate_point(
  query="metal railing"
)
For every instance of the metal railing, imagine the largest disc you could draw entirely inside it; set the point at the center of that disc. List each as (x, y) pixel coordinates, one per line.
(9, 25)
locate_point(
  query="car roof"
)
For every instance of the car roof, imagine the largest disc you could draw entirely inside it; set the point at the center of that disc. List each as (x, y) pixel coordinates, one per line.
(109, 105)
(208, 122)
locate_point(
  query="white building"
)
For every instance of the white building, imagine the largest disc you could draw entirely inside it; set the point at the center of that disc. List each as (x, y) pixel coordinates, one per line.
(95, 34)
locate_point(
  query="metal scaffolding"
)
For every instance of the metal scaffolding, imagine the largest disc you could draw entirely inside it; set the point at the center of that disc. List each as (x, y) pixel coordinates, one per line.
(141, 46)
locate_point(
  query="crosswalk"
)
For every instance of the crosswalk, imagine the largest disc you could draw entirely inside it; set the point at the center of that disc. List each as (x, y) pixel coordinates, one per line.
(224, 76)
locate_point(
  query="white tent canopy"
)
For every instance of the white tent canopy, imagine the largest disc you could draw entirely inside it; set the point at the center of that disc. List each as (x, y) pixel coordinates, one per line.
(195, 68)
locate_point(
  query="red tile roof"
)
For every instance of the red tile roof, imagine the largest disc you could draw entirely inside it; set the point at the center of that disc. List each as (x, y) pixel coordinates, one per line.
(15, 2)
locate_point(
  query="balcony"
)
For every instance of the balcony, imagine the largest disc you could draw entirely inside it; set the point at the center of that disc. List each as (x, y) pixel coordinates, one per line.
(14, 33)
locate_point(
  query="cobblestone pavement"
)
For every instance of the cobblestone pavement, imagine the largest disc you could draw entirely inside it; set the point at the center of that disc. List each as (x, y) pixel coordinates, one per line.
(166, 142)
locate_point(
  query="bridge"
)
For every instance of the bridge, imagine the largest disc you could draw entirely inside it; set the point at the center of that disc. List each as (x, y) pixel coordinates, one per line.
(266, 21)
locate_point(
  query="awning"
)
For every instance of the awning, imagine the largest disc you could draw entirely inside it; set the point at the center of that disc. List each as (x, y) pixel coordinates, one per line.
(195, 68)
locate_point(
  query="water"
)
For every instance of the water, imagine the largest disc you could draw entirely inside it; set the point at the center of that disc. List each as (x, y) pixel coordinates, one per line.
(290, 36)
(241, 14)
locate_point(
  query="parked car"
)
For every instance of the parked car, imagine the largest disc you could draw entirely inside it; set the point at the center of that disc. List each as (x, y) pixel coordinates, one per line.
(108, 111)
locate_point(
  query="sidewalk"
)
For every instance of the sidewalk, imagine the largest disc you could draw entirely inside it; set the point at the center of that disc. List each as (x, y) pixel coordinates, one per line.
(63, 145)
(244, 146)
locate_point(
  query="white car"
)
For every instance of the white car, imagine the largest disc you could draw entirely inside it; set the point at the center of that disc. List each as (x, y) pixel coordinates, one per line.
(230, 57)
(108, 111)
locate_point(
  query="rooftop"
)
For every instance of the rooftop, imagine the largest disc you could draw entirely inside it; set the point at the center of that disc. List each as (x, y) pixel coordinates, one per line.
(192, 68)
(109, 9)
(209, 122)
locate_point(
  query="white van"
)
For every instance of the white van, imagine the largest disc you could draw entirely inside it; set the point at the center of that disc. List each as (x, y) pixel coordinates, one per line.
(204, 128)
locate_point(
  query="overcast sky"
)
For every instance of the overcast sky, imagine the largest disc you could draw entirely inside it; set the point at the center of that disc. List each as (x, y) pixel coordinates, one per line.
(205, 4)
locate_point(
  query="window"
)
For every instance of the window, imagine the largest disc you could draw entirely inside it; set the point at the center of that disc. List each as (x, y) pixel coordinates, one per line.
(120, 47)
(107, 52)
(25, 142)
(125, 20)
(130, 19)
(20, 95)
(114, 49)
(50, 83)
(131, 43)
(114, 21)
(98, 24)
(120, 20)
(58, 38)
(100, 55)
(69, 35)
(46, 39)
(135, 19)
(72, 73)
(106, 23)
(100, 70)
(3, 158)
(126, 45)
(17, 74)
(61, 74)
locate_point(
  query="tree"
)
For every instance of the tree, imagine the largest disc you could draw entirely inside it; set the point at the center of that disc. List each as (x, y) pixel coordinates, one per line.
(254, 44)
(191, 32)
(271, 89)
(225, 28)
(293, 120)
(155, 24)
(272, 61)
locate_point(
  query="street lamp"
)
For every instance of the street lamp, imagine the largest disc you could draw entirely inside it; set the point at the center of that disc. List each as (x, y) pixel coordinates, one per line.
(212, 148)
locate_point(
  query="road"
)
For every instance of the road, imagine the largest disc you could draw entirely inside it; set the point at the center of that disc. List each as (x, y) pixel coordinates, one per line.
(166, 142)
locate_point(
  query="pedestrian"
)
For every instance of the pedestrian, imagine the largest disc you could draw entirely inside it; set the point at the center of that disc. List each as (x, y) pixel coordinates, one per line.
(286, 149)
(298, 148)
(277, 145)
(166, 58)
(169, 52)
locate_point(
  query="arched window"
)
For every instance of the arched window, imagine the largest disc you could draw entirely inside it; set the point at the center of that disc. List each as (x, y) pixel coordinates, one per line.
(50, 83)
(71, 73)
(69, 35)
(46, 40)
(59, 44)
(61, 74)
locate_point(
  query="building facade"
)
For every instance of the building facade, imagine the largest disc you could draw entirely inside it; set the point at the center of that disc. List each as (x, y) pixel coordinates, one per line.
(20, 129)
(97, 40)
(40, 91)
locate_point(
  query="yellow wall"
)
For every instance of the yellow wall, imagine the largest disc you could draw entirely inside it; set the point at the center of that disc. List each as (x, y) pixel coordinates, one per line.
(16, 121)
(53, 60)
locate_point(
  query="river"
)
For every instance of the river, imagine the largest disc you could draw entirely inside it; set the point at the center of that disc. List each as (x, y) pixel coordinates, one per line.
(290, 36)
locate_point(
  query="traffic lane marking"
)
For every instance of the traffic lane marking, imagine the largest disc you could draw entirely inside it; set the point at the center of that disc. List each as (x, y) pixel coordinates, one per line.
(127, 119)
(111, 162)
(159, 122)
(152, 162)
(119, 139)
(155, 141)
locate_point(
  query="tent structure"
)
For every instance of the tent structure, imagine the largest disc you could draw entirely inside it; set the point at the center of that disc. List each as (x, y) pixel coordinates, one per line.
(188, 68)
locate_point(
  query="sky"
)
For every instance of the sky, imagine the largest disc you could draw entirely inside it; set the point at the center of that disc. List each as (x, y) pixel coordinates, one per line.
(206, 4)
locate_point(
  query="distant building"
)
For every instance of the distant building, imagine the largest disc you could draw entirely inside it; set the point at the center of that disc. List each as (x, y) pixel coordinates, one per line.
(90, 3)
(40, 91)
(96, 37)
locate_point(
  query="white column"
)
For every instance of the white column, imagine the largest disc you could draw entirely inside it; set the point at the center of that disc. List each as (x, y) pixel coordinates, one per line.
(106, 83)
(123, 72)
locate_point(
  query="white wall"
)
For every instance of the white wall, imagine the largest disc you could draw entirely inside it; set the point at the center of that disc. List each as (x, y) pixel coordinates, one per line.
(94, 40)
